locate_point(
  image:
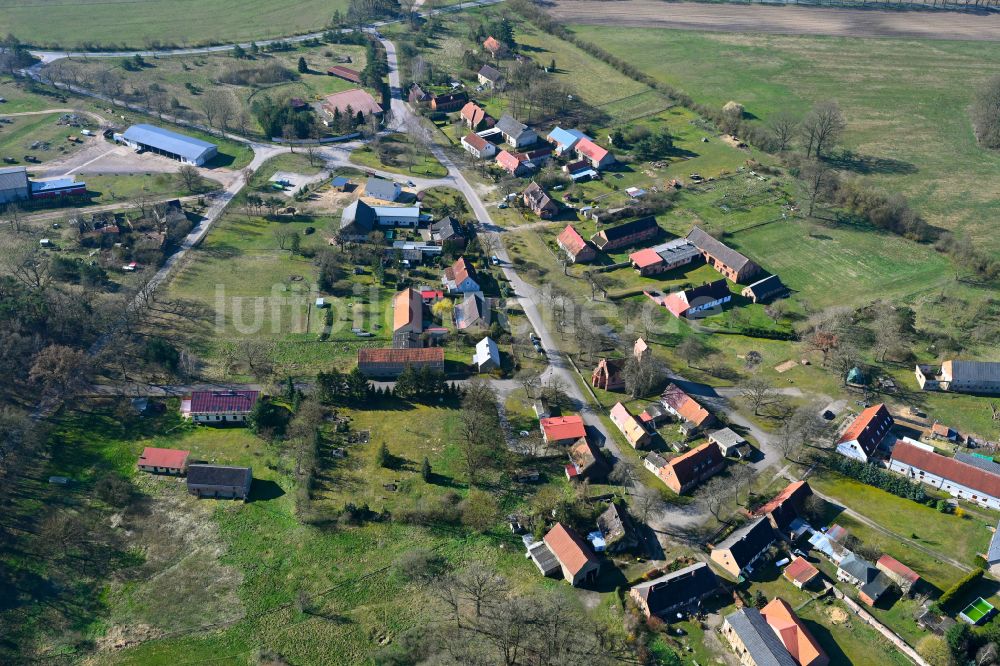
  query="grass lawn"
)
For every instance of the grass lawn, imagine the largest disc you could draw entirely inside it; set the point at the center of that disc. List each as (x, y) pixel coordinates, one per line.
(960, 538)
(908, 123)
(20, 100)
(143, 25)
(399, 154)
(38, 136)
(126, 187)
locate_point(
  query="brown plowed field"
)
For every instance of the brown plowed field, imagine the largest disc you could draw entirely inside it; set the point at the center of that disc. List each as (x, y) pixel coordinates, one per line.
(788, 20)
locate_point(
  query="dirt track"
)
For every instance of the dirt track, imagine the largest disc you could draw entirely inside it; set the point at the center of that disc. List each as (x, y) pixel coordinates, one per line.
(789, 20)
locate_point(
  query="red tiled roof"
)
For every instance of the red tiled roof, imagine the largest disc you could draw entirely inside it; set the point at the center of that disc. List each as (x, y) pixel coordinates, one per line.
(951, 469)
(459, 271)
(941, 429)
(645, 258)
(568, 548)
(866, 418)
(627, 423)
(571, 240)
(898, 568)
(345, 73)
(509, 161)
(169, 458)
(800, 570)
(591, 150)
(790, 491)
(407, 310)
(414, 355)
(473, 113)
(689, 409)
(356, 98)
(563, 427)
(683, 465)
(435, 294)
(210, 402)
(676, 303)
(794, 635)
(476, 141)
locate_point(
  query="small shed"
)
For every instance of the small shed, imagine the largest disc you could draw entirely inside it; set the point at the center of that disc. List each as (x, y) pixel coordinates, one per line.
(729, 441)
(856, 376)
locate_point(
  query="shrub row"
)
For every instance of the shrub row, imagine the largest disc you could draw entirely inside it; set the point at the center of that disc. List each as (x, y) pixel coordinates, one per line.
(879, 478)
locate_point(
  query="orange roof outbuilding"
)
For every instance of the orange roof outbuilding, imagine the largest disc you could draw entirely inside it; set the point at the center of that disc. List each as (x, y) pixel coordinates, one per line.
(165, 458)
(805, 650)
(569, 549)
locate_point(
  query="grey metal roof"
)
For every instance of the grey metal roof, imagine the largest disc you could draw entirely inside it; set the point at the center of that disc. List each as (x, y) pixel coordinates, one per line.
(975, 371)
(358, 214)
(860, 568)
(543, 558)
(993, 554)
(490, 73)
(218, 475)
(656, 460)
(446, 228)
(877, 587)
(764, 646)
(726, 437)
(981, 463)
(679, 249)
(383, 189)
(511, 127)
(12, 178)
(188, 147)
(717, 249)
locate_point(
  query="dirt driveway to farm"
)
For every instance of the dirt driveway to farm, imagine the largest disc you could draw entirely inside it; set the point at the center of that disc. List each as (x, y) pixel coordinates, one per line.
(788, 20)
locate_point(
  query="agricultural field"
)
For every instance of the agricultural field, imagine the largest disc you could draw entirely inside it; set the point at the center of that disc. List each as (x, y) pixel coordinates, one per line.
(905, 101)
(189, 79)
(139, 25)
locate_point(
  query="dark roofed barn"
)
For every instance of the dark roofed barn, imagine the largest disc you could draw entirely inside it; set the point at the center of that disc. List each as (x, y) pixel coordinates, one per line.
(723, 258)
(679, 589)
(738, 552)
(624, 235)
(219, 481)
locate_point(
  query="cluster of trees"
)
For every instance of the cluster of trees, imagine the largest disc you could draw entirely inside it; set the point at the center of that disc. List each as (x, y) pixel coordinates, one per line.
(479, 430)
(423, 385)
(485, 620)
(278, 119)
(14, 55)
(986, 114)
(336, 387)
(880, 478)
(645, 144)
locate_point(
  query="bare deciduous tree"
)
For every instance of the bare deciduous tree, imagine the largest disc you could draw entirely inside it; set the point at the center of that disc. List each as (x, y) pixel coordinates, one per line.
(822, 128)
(758, 392)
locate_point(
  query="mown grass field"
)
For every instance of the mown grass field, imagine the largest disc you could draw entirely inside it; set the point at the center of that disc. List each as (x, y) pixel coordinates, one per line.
(905, 100)
(410, 159)
(138, 24)
(50, 139)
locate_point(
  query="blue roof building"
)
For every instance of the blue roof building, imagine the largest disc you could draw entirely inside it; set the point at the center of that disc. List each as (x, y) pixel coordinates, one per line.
(565, 140)
(174, 145)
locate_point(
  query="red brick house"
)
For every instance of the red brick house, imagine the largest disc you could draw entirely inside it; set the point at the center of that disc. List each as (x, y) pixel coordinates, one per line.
(624, 235)
(608, 374)
(391, 362)
(721, 257)
(449, 101)
(577, 250)
(539, 202)
(785, 506)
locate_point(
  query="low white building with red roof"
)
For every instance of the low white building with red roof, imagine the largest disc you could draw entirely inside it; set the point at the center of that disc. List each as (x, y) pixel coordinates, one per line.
(163, 461)
(220, 407)
(478, 147)
(596, 156)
